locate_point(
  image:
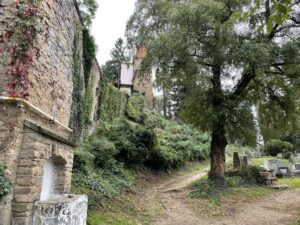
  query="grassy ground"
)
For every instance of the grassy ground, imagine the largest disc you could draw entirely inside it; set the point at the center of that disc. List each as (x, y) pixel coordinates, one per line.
(291, 182)
(260, 161)
(94, 218)
(125, 211)
(232, 197)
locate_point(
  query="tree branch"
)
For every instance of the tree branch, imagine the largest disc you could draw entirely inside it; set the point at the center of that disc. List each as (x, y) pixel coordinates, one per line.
(245, 80)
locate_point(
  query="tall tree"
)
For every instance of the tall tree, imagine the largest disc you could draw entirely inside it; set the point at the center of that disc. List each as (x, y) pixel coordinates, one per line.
(88, 10)
(225, 62)
(112, 67)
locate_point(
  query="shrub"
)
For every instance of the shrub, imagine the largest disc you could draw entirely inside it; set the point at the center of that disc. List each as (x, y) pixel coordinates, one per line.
(133, 142)
(135, 106)
(103, 150)
(274, 146)
(249, 174)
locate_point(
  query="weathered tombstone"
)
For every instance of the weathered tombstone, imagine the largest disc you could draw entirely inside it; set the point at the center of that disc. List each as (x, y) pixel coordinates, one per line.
(258, 153)
(245, 160)
(274, 165)
(266, 165)
(284, 171)
(297, 170)
(247, 153)
(279, 156)
(236, 160)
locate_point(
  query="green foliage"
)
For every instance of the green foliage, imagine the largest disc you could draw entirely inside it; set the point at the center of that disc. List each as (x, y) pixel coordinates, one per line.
(213, 189)
(101, 185)
(208, 189)
(249, 174)
(89, 54)
(106, 218)
(112, 103)
(274, 146)
(178, 143)
(5, 185)
(88, 104)
(112, 68)
(133, 141)
(134, 110)
(76, 119)
(221, 70)
(88, 10)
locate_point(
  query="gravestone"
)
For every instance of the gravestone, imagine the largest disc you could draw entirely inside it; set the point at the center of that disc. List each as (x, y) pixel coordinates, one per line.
(266, 165)
(274, 164)
(245, 160)
(236, 160)
(247, 153)
(284, 171)
(297, 170)
(258, 153)
(279, 155)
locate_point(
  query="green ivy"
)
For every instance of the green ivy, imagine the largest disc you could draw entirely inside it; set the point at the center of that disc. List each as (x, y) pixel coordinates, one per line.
(88, 104)
(89, 54)
(112, 104)
(5, 185)
(76, 119)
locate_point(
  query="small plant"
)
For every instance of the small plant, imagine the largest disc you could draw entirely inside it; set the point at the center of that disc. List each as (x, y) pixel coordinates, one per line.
(19, 40)
(5, 185)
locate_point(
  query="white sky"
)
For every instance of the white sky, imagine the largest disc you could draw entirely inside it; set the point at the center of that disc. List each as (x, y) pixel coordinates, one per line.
(110, 24)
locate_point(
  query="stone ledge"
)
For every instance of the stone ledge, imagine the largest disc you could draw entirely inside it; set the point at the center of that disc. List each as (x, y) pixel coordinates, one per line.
(42, 130)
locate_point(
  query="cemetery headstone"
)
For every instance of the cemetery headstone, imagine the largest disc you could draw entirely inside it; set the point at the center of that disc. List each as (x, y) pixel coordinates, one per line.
(258, 153)
(247, 153)
(266, 165)
(279, 155)
(245, 160)
(236, 160)
(274, 165)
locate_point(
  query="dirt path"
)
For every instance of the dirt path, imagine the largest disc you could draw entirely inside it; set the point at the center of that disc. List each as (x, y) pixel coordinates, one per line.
(169, 201)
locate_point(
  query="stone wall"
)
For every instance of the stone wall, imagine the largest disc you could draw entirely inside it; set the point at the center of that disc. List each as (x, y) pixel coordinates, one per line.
(28, 135)
(51, 74)
(28, 139)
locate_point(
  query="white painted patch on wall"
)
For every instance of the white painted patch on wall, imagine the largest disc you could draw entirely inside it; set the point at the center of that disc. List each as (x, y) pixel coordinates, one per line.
(48, 181)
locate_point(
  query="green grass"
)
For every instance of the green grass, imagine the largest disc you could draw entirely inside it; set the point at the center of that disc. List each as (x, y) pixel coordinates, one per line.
(291, 182)
(260, 161)
(244, 194)
(96, 218)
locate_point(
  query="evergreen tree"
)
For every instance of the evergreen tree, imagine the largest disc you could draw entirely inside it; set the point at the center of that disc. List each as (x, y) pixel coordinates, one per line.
(112, 68)
(226, 63)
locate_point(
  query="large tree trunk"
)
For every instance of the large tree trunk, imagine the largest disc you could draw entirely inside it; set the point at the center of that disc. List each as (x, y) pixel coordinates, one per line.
(217, 155)
(218, 141)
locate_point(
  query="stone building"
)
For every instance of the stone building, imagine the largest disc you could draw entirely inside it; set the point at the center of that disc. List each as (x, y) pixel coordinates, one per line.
(36, 133)
(131, 79)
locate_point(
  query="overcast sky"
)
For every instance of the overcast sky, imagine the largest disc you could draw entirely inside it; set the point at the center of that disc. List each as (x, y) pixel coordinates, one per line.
(110, 24)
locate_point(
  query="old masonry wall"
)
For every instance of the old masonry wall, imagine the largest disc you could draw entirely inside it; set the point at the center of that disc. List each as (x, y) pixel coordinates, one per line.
(37, 130)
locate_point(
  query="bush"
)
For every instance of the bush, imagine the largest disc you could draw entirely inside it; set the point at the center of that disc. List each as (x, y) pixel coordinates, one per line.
(274, 146)
(249, 174)
(104, 151)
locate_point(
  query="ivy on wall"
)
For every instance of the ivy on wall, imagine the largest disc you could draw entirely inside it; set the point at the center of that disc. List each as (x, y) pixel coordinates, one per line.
(112, 103)
(77, 108)
(89, 54)
(88, 103)
(5, 185)
(18, 45)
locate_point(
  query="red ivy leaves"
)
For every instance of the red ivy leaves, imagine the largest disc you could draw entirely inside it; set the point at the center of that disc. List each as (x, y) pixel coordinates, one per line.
(22, 57)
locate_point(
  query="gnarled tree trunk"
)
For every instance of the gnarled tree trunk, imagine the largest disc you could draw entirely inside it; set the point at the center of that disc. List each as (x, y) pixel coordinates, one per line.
(217, 155)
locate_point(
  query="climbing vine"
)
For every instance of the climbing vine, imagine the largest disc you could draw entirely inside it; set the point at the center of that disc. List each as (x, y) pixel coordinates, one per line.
(88, 103)
(5, 185)
(112, 104)
(76, 119)
(18, 45)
